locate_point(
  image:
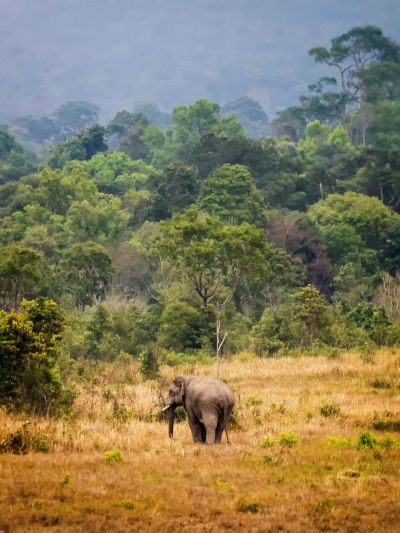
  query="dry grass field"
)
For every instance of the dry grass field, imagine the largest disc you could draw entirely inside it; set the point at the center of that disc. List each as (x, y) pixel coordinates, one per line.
(315, 446)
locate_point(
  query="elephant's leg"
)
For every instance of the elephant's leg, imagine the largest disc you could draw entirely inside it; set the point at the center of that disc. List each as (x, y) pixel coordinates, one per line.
(203, 433)
(219, 430)
(211, 426)
(222, 423)
(195, 427)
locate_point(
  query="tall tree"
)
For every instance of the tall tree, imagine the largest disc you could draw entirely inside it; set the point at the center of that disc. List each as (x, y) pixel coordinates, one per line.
(352, 53)
(230, 193)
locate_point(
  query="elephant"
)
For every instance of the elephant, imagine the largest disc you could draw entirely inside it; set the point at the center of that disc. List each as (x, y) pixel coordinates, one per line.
(208, 403)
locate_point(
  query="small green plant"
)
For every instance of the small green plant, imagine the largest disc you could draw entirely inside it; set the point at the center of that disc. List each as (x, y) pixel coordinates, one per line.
(128, 504)
(253, 401)
(158, 450)
(329, 410)
(40, 443)
(221, 484)
(278, 408)
(386, 425)
(338, 442)
(323, 506)
(381, 383)
(388, 443)
(113, 456)
(367, 440)
(249, 506)
(66, 480)
(288, 438)
(180, 414)
(266, 442)
(234, 419)
(269, 460)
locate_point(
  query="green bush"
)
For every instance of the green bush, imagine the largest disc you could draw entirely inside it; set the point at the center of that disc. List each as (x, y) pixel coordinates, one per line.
(288, 438)
(253, 401)
(367, 440)
(184, 327)
(249, 506)
(329, 410)
(30, 376)
(149, 366)
(266, 442)
(113, 456)
(387, 425)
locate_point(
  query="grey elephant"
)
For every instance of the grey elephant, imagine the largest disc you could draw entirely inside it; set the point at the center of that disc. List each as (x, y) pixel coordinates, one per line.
(208, 403)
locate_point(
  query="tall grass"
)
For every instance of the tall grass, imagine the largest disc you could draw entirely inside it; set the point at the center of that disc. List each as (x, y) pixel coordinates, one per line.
(170, 485)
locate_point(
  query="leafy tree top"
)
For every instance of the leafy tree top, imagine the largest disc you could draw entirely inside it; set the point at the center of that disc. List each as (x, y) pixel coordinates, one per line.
(230, 193)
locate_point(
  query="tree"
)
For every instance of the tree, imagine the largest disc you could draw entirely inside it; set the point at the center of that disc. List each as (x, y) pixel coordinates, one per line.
(102, 220)
(76, 115)
(154, 115)
(115, 172)
(86, 270)
(172, 190)
(82, 147)
(123, 122)
(29, 358)
(21, 271)
(214, 257)
(134, 141)
(230, 193)
(370, 219)
(14, 162)
(310, 309)
(200, 118)
(249, 114)
(352, 53)
(98, 327)
(184, 327)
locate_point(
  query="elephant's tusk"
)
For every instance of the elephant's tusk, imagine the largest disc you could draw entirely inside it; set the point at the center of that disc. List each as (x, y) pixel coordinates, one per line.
(165, 408)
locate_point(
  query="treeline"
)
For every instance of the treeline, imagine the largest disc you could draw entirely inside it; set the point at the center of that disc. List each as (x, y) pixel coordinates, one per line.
(165, 235)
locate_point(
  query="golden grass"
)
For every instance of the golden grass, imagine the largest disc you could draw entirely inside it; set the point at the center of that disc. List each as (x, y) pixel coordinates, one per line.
(174, 485)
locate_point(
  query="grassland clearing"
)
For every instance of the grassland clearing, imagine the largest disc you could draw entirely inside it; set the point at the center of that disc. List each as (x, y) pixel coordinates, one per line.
(304, 454)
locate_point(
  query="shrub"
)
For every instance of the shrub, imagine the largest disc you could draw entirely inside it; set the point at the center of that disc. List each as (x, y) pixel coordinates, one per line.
(180, 414)
(30, 374)
(149, 366)
(386, 425)
(367, 440)
(249, 506)
(266, 442)
(184, 327)
(288, 438)
(381, 383)
(253, 401)
(329, 410)
(66, 480)
(129, 505)
(113, 456)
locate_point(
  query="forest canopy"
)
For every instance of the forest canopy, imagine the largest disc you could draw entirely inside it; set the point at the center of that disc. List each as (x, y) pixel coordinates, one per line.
(148, 232)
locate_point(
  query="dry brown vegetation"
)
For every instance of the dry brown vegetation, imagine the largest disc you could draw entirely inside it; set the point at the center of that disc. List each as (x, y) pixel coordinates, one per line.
(260, 482)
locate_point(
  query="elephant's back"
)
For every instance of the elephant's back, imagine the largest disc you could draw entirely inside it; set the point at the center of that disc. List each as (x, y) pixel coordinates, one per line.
(210, 389)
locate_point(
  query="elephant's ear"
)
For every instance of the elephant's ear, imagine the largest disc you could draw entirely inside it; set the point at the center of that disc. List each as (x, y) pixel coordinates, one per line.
(180, 382)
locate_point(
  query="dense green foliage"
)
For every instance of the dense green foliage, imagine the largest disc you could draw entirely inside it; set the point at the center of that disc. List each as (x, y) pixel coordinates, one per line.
(186, 230)
(29, 358)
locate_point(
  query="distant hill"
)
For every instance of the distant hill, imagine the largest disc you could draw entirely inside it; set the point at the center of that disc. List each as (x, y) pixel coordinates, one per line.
(118, 53)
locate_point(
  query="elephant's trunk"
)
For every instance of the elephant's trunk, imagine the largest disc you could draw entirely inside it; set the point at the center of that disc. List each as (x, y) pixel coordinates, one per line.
(170, 414)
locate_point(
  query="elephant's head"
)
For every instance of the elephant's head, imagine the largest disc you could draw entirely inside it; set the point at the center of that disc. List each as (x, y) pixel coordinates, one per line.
(176, 394)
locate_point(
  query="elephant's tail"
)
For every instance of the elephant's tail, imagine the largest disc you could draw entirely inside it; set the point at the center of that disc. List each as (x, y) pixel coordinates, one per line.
(227, 437)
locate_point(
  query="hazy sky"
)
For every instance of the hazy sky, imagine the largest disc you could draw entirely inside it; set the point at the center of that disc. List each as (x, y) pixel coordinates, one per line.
(116, 53)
